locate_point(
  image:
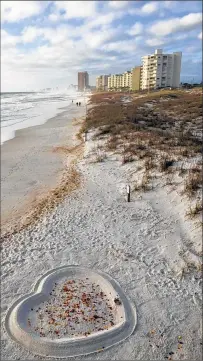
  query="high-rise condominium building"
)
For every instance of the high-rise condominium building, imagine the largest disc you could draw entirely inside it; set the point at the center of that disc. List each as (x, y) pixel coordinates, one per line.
(115, 81)
(136, 77)
(83, 81)
(161, 70)
(102, 82)
(129, 80)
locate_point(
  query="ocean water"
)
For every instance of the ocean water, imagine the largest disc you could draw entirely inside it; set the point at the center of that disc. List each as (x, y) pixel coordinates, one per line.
(23, 110)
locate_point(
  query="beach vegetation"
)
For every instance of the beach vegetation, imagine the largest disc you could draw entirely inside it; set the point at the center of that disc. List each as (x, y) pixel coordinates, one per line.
(195, 210)
(158, 128)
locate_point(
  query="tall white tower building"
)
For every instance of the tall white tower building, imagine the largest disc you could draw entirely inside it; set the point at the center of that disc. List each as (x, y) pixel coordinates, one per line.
(161, 70)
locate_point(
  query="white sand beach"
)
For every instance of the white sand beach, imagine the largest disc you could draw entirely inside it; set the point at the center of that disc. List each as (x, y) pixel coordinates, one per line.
(146, 245)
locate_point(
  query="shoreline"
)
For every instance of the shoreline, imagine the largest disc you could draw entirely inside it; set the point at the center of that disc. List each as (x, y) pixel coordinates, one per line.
(32, 166)
(19, 132)
(38, 113)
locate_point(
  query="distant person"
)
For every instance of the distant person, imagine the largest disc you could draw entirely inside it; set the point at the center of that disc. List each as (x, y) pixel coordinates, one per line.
(77, 104)
(72, 101)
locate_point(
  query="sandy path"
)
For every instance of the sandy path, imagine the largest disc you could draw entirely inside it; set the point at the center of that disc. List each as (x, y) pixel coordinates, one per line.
(96, 227)
(29, 166)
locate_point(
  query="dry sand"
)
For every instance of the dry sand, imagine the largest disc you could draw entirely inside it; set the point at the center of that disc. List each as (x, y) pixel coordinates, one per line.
(145, 245)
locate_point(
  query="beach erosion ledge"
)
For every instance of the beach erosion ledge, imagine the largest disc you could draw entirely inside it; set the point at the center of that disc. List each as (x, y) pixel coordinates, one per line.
(38, 168)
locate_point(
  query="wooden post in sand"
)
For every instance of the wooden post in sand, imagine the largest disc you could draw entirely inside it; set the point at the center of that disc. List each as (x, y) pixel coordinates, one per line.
(128, 193)
(85, 136)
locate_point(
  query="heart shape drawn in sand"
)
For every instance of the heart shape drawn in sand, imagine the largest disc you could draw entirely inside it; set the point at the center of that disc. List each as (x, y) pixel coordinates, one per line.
(71, 311)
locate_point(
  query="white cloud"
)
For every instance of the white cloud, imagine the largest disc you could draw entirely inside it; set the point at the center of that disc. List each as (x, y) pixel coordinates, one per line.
(155, 42)
(136, 29)
(59, 35)
(120, 46)
(66, 34)
(83, 9)
(96, 39)
(146, 9)
(200, 35)
(54, 17)
(166, 27)
(118, 4)
(76, 9)
(103, 19)
(13, 11)
(181, 37)
(62, 52)
(149, 8)
(30, 33)
(8, 40)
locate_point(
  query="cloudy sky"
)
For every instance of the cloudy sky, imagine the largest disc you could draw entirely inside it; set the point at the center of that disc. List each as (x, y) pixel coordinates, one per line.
(45, 43)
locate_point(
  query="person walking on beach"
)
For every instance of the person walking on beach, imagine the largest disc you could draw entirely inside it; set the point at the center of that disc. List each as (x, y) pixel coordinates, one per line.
(77, 103)
(72, 101)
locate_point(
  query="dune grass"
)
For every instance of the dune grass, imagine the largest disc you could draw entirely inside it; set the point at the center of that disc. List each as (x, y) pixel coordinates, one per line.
(159, 128)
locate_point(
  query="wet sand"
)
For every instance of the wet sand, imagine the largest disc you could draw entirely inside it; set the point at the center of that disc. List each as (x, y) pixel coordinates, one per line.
(29, 167)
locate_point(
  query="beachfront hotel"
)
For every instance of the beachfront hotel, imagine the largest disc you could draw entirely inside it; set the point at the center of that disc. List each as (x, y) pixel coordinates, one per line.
(115, 81)
(129, 80)
(158, 70)
(83, 80)
(161, 70)
(102, 82)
